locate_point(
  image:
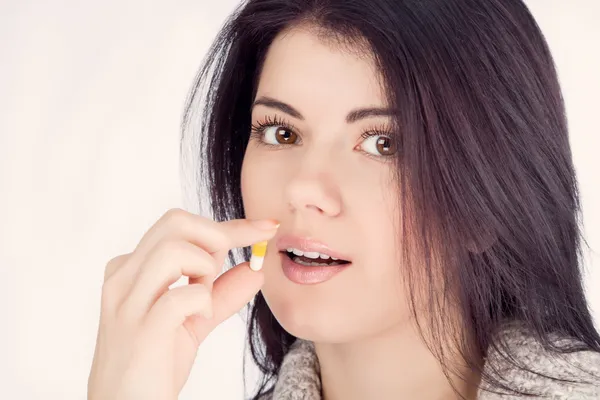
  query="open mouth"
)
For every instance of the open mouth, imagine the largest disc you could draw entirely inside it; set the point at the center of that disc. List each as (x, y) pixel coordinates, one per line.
(313, 259)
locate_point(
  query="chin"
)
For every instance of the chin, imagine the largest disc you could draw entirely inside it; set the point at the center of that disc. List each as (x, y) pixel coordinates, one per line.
(301, 317)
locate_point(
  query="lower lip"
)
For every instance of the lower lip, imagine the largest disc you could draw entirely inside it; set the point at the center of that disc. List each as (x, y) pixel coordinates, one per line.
(308, 275)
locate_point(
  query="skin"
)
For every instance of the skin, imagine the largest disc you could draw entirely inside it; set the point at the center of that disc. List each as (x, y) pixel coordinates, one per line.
(332, 186)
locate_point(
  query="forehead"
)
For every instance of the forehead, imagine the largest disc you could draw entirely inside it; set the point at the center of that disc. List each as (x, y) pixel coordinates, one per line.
(310, 72)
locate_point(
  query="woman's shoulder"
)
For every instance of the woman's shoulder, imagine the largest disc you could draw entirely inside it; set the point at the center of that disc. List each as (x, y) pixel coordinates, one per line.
(299, 374)
(577, 373)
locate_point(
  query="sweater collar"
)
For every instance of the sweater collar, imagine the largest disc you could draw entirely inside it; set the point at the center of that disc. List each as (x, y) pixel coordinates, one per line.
(299, 375)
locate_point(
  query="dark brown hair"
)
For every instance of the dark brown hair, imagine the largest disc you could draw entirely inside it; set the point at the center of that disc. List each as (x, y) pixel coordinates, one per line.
(487, 184)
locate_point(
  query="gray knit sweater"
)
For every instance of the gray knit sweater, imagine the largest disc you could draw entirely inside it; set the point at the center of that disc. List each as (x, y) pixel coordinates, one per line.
(299, 374)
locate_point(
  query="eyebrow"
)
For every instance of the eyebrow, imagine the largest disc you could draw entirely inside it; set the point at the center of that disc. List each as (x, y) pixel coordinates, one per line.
(353, 116)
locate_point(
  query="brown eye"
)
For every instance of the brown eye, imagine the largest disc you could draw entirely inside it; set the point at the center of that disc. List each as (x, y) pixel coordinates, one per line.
(385, 146)
(275, 135)
(285, 136)
(379, 145)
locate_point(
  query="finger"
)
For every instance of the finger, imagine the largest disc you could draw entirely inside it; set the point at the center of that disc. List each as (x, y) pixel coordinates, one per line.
(244, 232)
(173, 307)
(113, 265)
(231, 292)
(113, 291)
(213, 237)
(165, 264)
(210, 235)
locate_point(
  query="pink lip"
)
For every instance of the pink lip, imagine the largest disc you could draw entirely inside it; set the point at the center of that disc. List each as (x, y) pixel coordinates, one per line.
(303, 274)
(308, 244)
(308, 275)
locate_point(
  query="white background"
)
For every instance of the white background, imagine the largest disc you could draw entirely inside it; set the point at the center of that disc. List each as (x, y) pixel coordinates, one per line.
(91, 96)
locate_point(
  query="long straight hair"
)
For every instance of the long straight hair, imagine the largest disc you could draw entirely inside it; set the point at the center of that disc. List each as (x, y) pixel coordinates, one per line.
(490, 227)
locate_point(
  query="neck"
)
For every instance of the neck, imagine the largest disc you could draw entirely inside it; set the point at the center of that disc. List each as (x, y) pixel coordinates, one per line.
(393, 365)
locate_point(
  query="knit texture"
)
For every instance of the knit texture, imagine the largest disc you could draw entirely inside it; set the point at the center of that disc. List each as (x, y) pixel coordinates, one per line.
(299, 376)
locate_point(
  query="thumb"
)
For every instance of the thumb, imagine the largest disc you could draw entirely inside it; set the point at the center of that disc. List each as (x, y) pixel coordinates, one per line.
(230, 293)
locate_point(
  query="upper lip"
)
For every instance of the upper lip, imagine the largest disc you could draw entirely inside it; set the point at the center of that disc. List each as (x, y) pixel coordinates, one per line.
(304, 243)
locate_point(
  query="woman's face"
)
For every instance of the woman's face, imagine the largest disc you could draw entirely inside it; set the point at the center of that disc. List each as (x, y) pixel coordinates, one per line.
(312, 165)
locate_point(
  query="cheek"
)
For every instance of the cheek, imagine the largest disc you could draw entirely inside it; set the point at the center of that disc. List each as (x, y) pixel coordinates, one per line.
(375, 209)
(377, 218)
(260, 185)
(382, 227)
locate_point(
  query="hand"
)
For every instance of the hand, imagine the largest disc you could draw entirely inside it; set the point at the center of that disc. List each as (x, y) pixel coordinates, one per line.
(149, 334)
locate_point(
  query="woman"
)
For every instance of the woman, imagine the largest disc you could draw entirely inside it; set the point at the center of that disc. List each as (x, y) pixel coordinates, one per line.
(415, 158)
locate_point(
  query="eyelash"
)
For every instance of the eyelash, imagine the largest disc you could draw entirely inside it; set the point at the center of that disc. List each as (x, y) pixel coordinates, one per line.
(258, 129)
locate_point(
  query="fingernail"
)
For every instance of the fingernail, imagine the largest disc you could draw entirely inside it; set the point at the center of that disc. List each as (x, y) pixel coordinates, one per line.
(266, 224)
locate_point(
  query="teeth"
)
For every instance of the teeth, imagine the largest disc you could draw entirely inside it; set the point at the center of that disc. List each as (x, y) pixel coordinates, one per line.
(309, 254)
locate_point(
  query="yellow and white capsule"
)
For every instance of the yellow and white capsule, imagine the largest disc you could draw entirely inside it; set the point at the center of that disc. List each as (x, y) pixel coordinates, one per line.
(258, 255)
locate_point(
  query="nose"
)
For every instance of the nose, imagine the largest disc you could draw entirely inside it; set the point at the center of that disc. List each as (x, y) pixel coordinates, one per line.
(313, 192)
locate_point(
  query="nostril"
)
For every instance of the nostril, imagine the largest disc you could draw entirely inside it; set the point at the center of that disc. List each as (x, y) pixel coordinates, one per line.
(315, 208)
